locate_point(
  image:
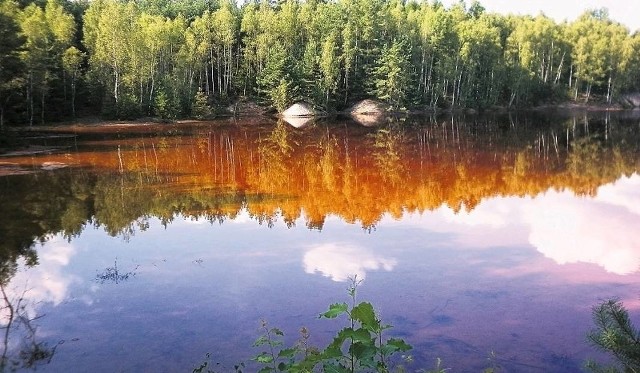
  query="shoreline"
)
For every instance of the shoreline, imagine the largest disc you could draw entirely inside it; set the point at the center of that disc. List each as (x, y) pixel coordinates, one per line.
(82, 124)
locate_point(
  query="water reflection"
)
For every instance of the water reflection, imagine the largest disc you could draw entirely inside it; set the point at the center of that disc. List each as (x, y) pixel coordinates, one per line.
(600, 230)
(341, 262)
(465, 230)
(22, 296)
(358, 174)
(299, 122)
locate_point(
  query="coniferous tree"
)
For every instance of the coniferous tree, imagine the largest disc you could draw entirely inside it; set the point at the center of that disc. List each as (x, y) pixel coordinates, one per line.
(11, 66)
(393, 75)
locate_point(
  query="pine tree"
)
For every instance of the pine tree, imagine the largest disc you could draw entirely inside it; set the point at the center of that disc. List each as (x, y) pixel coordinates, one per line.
(393, 75)
(200, 108)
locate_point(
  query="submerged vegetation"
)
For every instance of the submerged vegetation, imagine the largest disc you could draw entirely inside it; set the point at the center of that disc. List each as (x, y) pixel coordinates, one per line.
(173, 59)
(358, 347)
(361, 347)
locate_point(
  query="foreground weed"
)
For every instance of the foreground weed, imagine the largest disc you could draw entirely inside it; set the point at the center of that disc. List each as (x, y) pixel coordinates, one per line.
(358, 347)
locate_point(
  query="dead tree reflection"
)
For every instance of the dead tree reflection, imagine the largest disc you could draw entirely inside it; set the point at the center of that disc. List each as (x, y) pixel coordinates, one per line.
(21, 348)
(115, 275)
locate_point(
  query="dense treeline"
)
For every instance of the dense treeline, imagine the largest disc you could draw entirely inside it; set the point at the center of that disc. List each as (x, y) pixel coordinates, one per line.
(179, 58)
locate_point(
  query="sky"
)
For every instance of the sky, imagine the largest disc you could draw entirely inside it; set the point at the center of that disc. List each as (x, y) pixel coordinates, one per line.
(624, 11)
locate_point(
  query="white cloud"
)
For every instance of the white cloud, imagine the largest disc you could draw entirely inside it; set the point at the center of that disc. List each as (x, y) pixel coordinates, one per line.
(623, 11)
(625, 193)
(45, 282)
(562, 226)
(340, 262)
(603, 230)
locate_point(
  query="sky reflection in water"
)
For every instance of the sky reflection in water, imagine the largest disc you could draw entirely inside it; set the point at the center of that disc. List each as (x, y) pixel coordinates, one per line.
(514, 276)
(477, 255)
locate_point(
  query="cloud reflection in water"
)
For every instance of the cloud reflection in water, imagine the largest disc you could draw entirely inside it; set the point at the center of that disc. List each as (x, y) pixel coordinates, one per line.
(602, 230)
(566, 228)
(339, 262)
(47, 282)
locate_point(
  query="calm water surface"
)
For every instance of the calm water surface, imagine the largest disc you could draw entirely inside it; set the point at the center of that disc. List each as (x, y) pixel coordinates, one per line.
(484, 241)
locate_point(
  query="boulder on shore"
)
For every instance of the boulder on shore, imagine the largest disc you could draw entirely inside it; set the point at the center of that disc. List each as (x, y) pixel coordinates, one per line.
(369, 112)
(300, 109)
(368, 106)
(631, 99)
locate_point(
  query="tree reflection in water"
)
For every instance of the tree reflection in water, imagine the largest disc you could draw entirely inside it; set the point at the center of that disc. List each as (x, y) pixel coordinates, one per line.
(279, 172)
(21, 348)
(114, 275)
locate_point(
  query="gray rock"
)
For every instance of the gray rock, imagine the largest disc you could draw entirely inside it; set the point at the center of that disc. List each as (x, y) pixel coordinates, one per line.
(299, 109)
(631, 99)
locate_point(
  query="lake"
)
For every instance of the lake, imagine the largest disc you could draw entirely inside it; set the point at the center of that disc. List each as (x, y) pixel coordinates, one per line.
(484, 240)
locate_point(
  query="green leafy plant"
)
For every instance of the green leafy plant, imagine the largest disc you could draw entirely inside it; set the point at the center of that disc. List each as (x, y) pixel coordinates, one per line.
(615, 334)
(358, 347)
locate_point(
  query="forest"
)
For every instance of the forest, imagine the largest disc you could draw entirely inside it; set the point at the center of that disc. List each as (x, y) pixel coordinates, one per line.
(61, 59)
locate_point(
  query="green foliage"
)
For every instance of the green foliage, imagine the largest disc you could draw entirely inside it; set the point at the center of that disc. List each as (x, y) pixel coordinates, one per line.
(11, 66)
(165, 105)
(200, 108)
(72, 60)
(276, 80)
(48, 33)
(615, 334)
(127, 107)
(329, 53)
(359, 346)
(393, 74)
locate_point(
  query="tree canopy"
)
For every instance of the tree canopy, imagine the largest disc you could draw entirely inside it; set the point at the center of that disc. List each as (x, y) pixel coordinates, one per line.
(153, 57)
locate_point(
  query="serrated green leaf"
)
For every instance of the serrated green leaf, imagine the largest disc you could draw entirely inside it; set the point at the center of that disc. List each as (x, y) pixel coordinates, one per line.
(364, 352)
(332, 351)
(334, 368)
(400, 344)
(394, 345)
(343, 335)
(365, 314)
(335, 310)
(265, 370)
(287, 352)
(359, 335)
(261, 341)
(264, 358)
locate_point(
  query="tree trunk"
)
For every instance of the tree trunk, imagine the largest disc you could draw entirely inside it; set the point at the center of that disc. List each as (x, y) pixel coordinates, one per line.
(213, 79)
(559, 72)
(219, 72)
(429, 77)
(588, 93)
(42, 94)
(570, 75)
(115, 86)
(73, 94)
